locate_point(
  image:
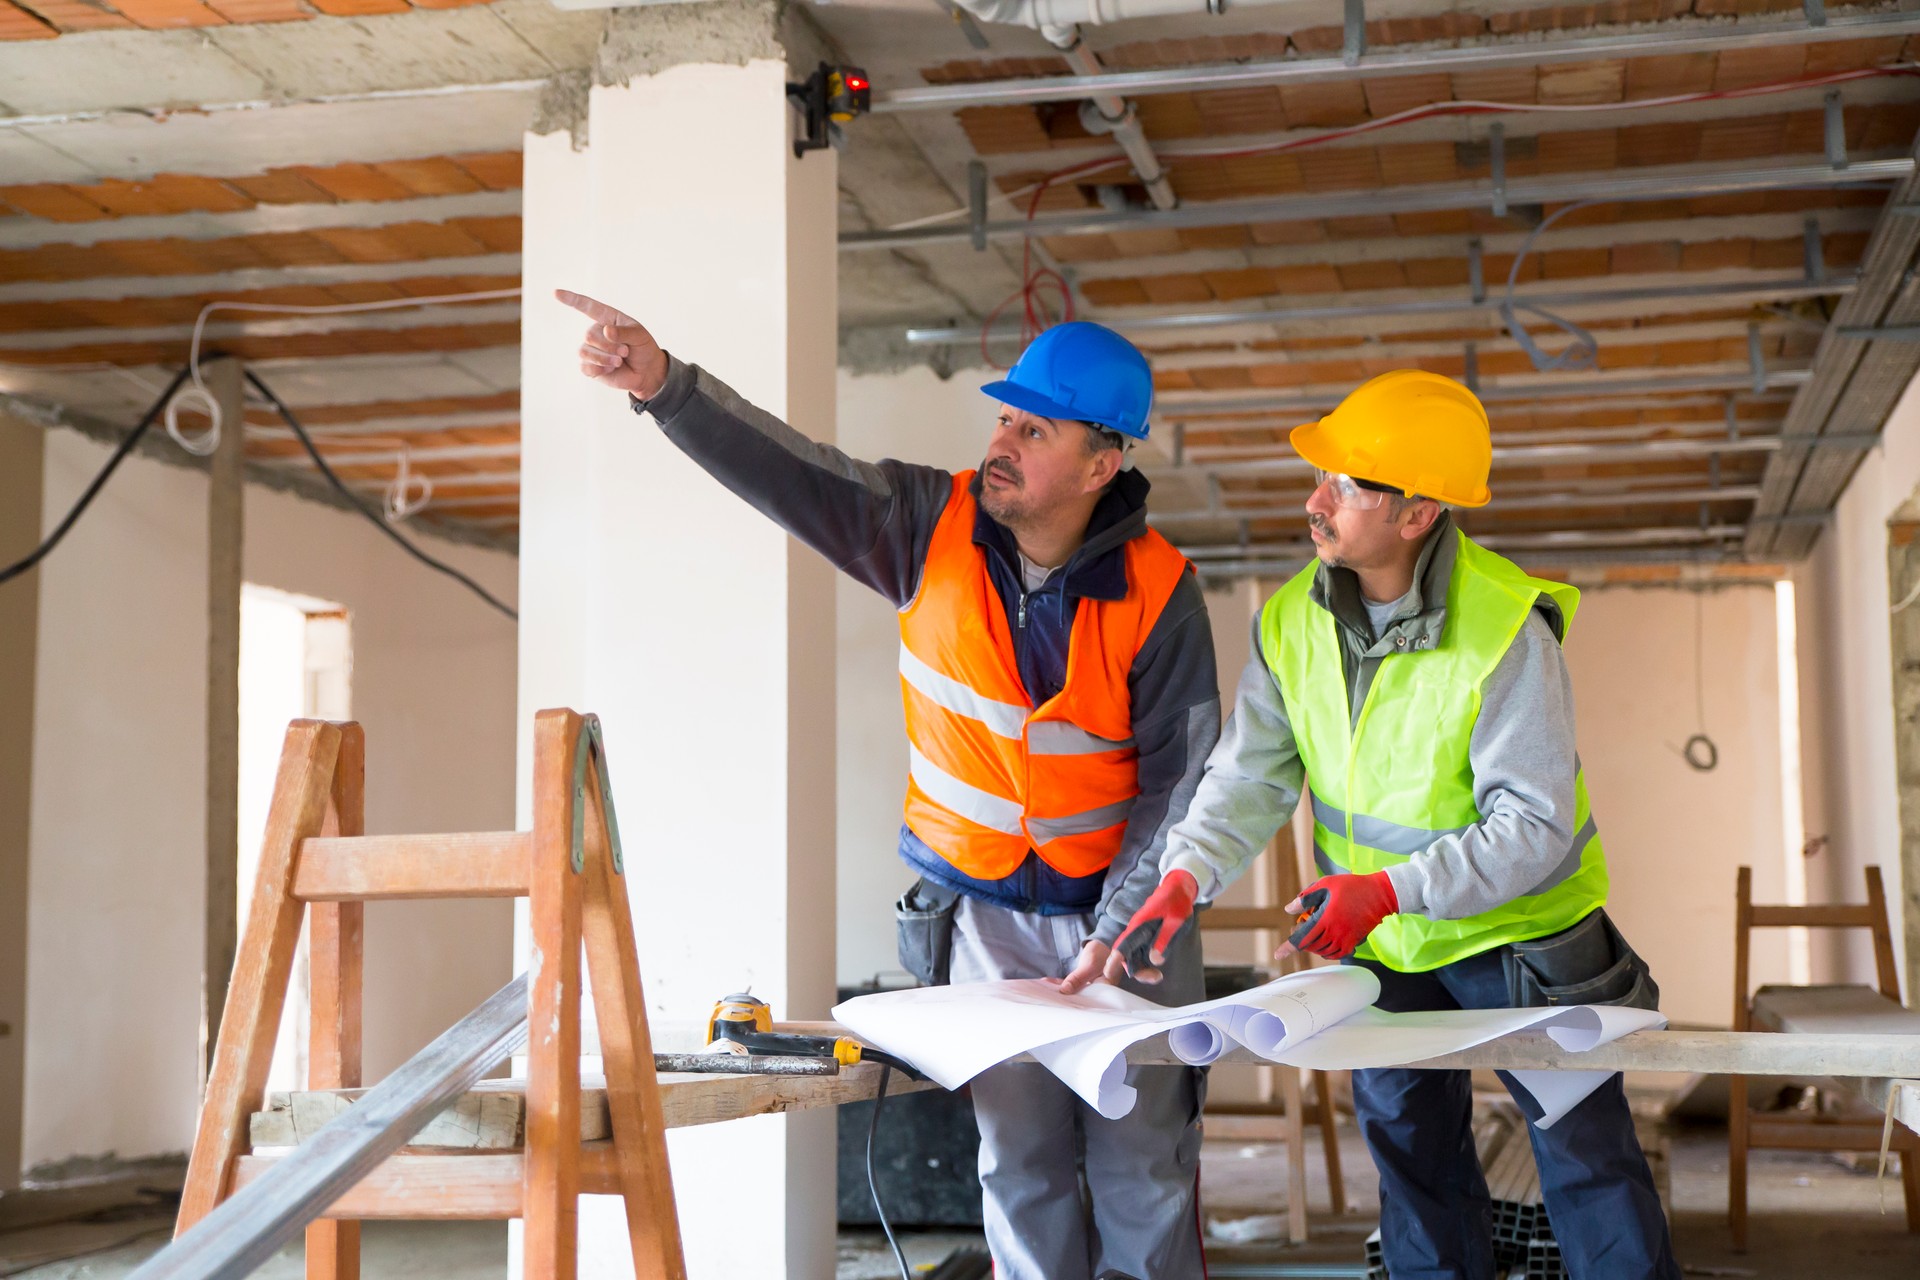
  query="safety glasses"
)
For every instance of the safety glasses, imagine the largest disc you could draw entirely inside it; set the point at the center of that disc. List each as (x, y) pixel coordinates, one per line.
(1356, 495)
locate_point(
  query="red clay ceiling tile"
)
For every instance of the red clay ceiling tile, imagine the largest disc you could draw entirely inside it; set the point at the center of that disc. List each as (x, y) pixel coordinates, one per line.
(1146, 242)
(1645, 257)
(1496, 84)
(279, 186)
(22, 24)
(1393, 94)
(165, 14)
(353, 182)
(1670, 74)
(76, 15)
(1247, 282)
(1371, 275)
(1419, 161)
(1305, 278)
(1296, 232)
(260, 10)
(1324, 105)
(1582, 82)
(494, 170)
(1716, 255)
(430, 176)
(1339, 169)
(53, 201)
(1578, 151)
(1171, 289)
(1766, 64)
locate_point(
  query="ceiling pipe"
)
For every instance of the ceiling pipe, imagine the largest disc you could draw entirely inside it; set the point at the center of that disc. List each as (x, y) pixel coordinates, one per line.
(1114, 115)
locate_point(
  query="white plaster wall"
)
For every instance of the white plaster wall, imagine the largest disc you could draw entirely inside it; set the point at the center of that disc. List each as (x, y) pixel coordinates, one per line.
(1846, 685)
(1674, 836)
(117, 847)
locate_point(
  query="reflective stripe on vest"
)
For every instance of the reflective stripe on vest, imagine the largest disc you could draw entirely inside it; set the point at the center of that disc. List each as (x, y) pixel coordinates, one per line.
(1389, 783)
(990, 775)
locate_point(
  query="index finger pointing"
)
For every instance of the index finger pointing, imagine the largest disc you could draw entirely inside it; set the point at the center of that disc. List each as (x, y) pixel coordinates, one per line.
(591, 307)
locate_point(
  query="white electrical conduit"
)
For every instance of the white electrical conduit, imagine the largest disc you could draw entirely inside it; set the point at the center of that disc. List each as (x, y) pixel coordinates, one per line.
(409, 492)
(1117, 118)
(1056, 19)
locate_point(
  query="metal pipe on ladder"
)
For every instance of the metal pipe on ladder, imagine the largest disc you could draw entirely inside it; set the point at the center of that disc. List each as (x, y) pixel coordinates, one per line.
(245, 1230)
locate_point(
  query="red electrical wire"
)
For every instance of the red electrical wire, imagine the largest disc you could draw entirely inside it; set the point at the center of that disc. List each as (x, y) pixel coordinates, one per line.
(1035, 317)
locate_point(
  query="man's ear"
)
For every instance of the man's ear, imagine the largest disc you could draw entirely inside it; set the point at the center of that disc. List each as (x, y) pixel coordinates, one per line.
(1106, 465)
(1421, 518)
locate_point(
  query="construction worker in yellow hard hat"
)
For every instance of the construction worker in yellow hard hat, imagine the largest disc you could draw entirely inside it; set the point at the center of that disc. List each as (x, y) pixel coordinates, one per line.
(1414, 680)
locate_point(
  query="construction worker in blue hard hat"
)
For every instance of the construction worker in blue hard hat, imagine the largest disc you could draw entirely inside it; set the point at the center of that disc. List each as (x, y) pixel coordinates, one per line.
(1057, 674)
(1414, 681)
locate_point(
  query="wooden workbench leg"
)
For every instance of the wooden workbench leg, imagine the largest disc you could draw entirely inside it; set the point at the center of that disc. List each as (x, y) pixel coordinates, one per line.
(1296, 1155)
(1330, 1141)
(336, 949)
(626, 1048)
(552, 1194)
(1737, 1161)
(258, 991)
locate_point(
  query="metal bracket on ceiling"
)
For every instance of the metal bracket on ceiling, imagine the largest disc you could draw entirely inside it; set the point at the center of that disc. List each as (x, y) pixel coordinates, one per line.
(1353, 34)
(1472, 378)
(1813, 254)
(1477, 270)
(1733, 422)
(1756, 360)
(1713, 471)
(1816, 12)
(1836, 130)
(1706, 517)
(1179, 444)
(1497, 164)
(977, 203)
(1214, 497)
(1887, 333)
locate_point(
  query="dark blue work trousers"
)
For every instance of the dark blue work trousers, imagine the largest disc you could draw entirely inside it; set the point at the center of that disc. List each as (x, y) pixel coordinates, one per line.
(1436, 1219)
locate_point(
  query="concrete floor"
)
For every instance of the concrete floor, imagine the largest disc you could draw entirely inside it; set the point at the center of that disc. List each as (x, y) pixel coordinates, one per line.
(1812, 1216)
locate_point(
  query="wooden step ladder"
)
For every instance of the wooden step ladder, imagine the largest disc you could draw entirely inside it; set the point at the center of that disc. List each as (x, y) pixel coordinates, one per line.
(316, 862)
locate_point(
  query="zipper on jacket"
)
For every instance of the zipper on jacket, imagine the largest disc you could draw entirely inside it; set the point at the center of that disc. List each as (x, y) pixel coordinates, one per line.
(1021, 619)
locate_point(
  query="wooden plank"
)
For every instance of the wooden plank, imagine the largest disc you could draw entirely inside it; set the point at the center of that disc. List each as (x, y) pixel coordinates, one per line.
(428, 1187)
(1818, 916)
(336, 951)
(553, 1010)
(258, 991)
(626, 1045)
(487, 864)
(225, 528)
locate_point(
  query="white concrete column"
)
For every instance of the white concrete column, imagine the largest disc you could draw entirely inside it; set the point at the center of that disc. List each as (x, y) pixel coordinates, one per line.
(700, 633)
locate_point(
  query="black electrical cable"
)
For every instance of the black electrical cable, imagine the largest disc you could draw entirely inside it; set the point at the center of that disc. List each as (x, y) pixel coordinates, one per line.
(873, 1183)
(359, 504)
(120, 453)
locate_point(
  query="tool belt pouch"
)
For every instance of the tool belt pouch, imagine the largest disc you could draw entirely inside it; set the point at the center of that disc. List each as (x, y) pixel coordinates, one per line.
(923, 923)
(1589, 963)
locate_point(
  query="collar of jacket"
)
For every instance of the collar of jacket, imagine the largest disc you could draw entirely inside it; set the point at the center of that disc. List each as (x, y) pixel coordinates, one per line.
(1338, 592)
(1097, 570)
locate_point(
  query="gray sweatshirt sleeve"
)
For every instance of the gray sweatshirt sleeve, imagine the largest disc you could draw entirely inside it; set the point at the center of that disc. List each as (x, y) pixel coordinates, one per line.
(873, 520)
(1250, 790)
(1176, 720)
(1523, 757)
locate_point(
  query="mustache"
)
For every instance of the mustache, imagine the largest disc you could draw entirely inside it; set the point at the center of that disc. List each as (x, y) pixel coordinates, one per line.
(1001, 467)
(1321, 525)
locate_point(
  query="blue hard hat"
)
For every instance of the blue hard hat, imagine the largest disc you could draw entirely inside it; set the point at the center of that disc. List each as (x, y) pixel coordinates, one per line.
(1083, 371)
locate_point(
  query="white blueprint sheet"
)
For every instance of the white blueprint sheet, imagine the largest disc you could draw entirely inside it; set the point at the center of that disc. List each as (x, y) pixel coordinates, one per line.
(1319, 1019)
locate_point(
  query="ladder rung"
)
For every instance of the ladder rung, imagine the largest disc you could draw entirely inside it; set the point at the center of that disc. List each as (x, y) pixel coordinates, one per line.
(485, 864)
(1830, 915)
(436, 1186)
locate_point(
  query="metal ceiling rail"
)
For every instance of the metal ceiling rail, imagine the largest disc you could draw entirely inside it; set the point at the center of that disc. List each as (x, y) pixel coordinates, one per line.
(248, 1228)
(1525, 51)
(1782, 288)
(1666, 182)
(399, 425)
(1554, 454)
(1544, 540)
(1572, 501)
(451, 453)
(1494, 393)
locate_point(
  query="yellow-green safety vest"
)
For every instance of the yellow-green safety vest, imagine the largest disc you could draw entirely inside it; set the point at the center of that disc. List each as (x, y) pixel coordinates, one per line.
(1390, 782)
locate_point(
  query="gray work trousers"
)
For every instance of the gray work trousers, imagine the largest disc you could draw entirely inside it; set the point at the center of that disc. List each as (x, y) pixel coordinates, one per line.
(1139, 1211)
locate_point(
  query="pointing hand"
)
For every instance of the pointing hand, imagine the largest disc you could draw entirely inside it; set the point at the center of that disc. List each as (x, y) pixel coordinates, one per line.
(618, 351)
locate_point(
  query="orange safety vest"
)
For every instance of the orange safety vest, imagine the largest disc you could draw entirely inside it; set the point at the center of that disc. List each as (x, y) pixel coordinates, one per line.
(992, 775)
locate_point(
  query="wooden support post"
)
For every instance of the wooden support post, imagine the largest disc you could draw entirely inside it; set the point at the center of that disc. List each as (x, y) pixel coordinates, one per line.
(1903, 573)
(237, 1084)
(553, 1010)
(336, 951)
(225, 527)
(1737, 1118)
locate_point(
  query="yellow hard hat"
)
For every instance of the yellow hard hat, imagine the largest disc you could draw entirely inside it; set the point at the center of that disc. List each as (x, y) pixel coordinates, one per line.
(1417, 431)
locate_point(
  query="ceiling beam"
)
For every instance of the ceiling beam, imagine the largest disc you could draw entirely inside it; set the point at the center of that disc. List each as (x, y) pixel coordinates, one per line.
(34, 233)
(1666, 182)
(1533, 49)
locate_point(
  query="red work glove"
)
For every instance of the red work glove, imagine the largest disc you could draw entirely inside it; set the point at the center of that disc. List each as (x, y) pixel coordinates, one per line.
(1353, 907)
(1142, 948)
